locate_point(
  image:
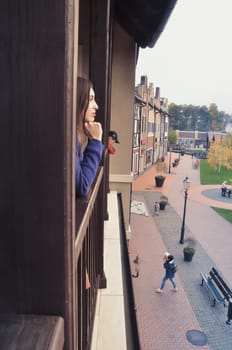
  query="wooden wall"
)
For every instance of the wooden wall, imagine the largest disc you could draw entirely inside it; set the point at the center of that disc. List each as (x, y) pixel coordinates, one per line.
(32, 135)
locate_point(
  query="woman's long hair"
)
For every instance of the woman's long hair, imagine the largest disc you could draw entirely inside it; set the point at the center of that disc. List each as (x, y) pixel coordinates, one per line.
(83, 90)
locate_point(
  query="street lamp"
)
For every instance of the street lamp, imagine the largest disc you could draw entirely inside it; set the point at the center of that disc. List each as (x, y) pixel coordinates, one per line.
(170, 158)
(186, 185)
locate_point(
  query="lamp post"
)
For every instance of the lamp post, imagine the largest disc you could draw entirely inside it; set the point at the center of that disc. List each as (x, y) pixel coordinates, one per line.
(186, 185)
(170, 158)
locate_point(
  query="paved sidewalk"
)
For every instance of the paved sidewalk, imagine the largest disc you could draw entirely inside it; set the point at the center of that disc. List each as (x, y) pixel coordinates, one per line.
(164, 320)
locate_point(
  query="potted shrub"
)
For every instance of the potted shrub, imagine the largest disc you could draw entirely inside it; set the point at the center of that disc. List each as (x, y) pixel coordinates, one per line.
(161, 167)
(163, 202)
(176, 162)
(182, 151)
(189, 250)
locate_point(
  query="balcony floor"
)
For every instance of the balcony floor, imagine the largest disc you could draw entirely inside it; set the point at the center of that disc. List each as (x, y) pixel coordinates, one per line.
(109, 327)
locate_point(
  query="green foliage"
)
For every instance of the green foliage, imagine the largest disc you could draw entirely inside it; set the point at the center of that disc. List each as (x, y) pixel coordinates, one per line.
(201, 118)
(209, 176)
(220, 154)
(213, 116)
(225, 213)
(189, 250)
(163, 198)
(172, 137)
(190, 247)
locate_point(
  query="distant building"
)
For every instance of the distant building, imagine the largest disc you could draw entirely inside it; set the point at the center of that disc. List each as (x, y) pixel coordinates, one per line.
(198, 139)
(151, 120)
(192, 139)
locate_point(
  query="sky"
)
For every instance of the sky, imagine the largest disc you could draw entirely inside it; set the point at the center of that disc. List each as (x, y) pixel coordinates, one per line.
(191, 61)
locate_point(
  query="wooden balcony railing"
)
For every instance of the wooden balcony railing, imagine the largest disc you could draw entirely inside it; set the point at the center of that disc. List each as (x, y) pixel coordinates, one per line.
(89, 258)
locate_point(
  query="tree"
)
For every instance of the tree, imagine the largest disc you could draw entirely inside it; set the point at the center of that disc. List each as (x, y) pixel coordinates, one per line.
(213, 113)
(228, 152)
(217, 118)
(174, 121)
(200, 118)
(172, 137)
(203, 119)
(220, 154)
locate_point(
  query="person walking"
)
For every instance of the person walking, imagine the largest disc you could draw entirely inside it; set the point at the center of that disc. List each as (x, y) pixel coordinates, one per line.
(156, 208)
(170, 270)
(165, 257)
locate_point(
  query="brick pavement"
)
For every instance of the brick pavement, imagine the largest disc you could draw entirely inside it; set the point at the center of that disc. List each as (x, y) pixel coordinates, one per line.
(163, 320)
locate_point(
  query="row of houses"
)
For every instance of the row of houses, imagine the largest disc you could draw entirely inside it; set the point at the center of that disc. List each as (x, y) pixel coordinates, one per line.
(150, 129)
(151, 122)
(198, 139)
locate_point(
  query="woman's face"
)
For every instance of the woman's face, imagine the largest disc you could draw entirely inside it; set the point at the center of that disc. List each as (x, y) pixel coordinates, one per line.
(92, 107)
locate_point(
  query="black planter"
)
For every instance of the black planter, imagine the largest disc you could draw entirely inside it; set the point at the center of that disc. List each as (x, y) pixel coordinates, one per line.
(162, 205)
(188, 256)
(159, 181)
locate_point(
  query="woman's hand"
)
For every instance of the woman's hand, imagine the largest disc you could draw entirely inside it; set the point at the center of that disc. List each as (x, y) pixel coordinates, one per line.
(93, 130)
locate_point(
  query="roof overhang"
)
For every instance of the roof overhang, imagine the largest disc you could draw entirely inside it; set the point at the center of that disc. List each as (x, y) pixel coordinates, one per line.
(144, 20)
(140, 101)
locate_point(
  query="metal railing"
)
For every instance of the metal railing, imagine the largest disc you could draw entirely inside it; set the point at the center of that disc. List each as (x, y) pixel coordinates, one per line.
(88, 259)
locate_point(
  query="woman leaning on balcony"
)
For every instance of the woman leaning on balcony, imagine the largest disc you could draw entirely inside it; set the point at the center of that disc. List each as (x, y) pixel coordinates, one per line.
(89, 145)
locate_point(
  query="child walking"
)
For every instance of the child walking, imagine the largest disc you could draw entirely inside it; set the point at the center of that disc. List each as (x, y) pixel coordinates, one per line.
(170, 269)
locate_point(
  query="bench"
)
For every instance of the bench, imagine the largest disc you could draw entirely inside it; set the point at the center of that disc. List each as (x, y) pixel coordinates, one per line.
(224, 287)
(217, 287)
